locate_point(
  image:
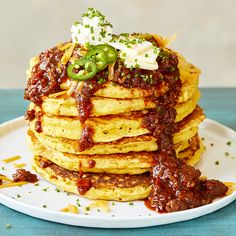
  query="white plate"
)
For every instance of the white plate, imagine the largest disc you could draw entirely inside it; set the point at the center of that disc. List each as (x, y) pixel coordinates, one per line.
(29, 199)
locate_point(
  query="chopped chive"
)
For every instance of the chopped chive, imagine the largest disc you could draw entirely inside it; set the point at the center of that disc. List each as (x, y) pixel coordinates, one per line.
(228, 143)
(18, 195)
(78, 203)
(87, 208)
(44, 206)
(217, 163)
(226, 154)
(131, 203)
(155, 51)
(113, 204)
(37, 184)
(57, 190)
(8, 226)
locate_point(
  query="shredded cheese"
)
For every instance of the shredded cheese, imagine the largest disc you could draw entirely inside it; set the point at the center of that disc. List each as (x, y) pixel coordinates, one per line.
(82, 52)
(231, 186)
(63, 47)
(169, 40)
(65, 85)
(111, 71)
(72, 87)
(71, 209)
(79, 86)
(11, 159)
(164, 42)
(13, 184)
(67, 55)
(54, 95)
(19, 165)
(103, 205)
(203, 177)
(72, 59)
(3, 177)
(64, 209)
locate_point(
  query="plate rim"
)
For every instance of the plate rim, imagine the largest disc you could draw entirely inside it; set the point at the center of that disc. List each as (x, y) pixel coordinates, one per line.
(111, 222)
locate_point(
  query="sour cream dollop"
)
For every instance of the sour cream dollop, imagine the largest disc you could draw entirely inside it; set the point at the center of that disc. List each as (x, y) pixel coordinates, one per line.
(94, 30)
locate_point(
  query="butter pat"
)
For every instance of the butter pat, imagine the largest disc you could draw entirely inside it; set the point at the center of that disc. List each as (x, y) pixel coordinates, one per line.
(136, 52)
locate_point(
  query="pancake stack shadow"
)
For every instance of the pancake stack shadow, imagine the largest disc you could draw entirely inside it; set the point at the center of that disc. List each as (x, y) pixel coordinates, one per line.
(117, 165)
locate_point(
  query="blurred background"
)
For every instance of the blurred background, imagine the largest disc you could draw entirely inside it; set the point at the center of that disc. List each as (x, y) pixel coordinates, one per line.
(206, 31)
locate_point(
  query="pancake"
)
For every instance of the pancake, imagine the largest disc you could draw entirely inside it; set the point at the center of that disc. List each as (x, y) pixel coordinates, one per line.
(116, 187)
(66, 106)
(104, 186)
(101, 106)
(185, 108)
(192, 155)
(128, 163)
(189, 86)
(189, 75)
(124, 145)
(188, 71)
(188, 125)
(106, 128)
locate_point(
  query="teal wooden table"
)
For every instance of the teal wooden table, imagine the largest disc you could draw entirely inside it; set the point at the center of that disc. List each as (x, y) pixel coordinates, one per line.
(219, 104)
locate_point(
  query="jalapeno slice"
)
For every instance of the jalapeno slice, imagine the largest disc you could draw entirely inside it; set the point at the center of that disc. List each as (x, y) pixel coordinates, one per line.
(110, 52)
(98, 56)
(89, 69)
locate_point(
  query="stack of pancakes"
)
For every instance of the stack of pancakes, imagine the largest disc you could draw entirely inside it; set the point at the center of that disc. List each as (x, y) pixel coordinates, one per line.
(118, 164)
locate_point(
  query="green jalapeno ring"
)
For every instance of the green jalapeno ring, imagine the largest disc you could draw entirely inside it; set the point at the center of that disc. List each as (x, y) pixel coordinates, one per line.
(110, 52)
(98, 56)
(88, 65)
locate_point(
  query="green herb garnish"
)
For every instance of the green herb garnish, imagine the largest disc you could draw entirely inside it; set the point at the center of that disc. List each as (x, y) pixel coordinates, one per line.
(228, 143)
